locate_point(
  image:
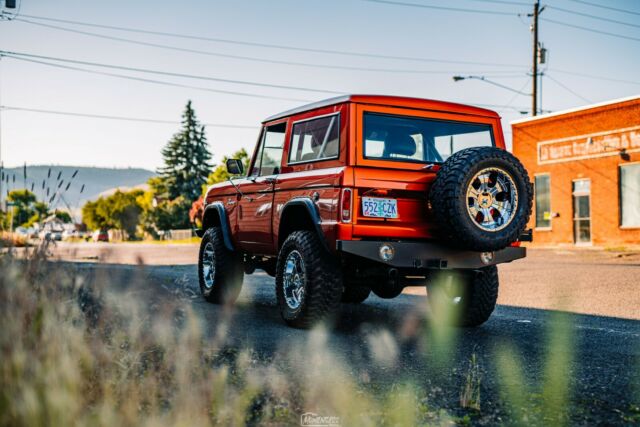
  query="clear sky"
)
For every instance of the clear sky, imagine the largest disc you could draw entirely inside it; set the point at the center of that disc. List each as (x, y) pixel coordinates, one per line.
(373, 27)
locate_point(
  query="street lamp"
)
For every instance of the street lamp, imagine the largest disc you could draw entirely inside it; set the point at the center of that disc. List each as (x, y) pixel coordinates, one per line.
(484, 79)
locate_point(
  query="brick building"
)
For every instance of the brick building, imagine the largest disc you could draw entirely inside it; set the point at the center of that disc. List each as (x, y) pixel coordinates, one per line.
(585, 164)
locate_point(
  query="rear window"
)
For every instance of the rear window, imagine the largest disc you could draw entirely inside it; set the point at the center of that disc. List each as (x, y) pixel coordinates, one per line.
(315, 139)
(414, 139)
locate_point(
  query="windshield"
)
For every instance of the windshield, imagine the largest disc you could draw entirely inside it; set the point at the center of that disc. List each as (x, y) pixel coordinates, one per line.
(413, 139)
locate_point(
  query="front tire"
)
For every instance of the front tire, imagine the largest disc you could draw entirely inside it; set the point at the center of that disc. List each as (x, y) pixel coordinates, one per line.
(464, 298)
(308, 281)
(220, 270)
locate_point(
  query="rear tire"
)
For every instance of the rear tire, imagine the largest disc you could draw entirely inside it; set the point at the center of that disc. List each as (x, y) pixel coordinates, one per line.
(464, 298)
(308, 281)
(220, 271)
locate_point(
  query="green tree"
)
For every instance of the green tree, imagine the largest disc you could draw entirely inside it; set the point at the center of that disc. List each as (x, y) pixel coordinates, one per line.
(40, 212)
(186, 159)
(64, 216)
(126, 211)
(221, 174)
(159, 211)
(95, 216)
(121, 210)
(169, 215)
(23, 206)
(158, 188)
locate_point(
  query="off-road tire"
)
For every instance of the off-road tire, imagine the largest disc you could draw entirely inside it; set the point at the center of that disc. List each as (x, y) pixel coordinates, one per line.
(478, 296)
(355, 293)
(448, 199)
(323, 281)
(229, 271)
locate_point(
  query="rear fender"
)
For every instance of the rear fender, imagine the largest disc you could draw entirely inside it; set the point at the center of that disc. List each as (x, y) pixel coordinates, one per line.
(312, 218)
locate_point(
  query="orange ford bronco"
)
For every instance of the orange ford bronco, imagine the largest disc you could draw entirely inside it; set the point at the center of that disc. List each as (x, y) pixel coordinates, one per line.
(361, 194)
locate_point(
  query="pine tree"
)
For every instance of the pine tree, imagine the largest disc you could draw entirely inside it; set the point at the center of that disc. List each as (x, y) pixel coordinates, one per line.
(186, 159)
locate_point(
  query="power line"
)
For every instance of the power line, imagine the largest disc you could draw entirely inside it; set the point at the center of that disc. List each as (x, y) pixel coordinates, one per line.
(159, 82)
(122, 76)
(327, 51)
(525, 84)
(606, 7)
(591, 29)
(568, 89)
(447, 8)
(110, 117)
(588, 15)
(10, 55)
(592, 76)
(168, 73)
(173, 122)
(231, 56)
(515, 3)
(269, 45)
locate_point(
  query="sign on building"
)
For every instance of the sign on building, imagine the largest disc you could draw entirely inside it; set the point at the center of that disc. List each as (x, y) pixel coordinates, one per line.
(601, 144)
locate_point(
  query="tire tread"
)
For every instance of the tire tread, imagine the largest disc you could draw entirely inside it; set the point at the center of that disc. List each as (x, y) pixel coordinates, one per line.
(229, 271)
(324, 280)
(450, 185)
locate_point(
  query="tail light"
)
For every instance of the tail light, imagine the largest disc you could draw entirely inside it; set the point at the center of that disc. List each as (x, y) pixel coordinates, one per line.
(346, 202)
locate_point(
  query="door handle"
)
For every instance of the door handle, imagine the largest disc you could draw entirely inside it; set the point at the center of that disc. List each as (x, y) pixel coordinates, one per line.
(230, 201)
(270, 180)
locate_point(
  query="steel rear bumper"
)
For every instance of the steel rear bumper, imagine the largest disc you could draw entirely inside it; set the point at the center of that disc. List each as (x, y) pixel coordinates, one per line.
(428, 255)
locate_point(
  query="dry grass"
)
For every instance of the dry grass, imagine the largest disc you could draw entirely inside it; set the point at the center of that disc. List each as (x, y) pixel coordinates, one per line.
(75, 352)
(12, 240)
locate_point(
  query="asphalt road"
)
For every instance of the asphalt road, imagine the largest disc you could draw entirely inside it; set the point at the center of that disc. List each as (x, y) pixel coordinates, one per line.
(603, 353)
(604, 283)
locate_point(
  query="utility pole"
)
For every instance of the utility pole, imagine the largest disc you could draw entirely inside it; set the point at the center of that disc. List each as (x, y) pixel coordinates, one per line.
(537, 10)
(534, 28)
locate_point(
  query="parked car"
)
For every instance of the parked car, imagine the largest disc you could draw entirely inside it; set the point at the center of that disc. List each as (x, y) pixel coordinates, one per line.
(100, 236)
(362, 194)
(50, 234)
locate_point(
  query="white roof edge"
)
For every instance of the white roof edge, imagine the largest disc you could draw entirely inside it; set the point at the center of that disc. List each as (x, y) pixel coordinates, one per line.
(307, 107)
(575, 109)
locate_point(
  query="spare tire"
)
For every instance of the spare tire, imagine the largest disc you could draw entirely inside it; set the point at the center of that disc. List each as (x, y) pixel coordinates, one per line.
(481, 199)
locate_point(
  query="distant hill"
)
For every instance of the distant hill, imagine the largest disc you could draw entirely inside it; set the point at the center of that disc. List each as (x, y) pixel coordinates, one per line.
(95, 181)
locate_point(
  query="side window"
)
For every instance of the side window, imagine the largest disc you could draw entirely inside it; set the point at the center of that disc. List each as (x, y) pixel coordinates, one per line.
(270, 153)
(630, 195)
(543, 201)
(315, 139)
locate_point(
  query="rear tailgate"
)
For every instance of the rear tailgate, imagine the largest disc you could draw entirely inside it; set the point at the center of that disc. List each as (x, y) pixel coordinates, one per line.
(409, 190)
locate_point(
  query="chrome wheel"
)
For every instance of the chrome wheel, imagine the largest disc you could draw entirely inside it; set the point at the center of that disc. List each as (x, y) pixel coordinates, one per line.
(492, 199)
(294, 280)
(209, 265)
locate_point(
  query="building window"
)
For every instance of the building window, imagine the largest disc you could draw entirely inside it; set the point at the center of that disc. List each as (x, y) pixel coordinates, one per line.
(630, 195)
(581, 192)
(543, 201)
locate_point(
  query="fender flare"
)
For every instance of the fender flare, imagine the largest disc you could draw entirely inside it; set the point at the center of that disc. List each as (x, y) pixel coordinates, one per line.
(313, 212)
(218, 209)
